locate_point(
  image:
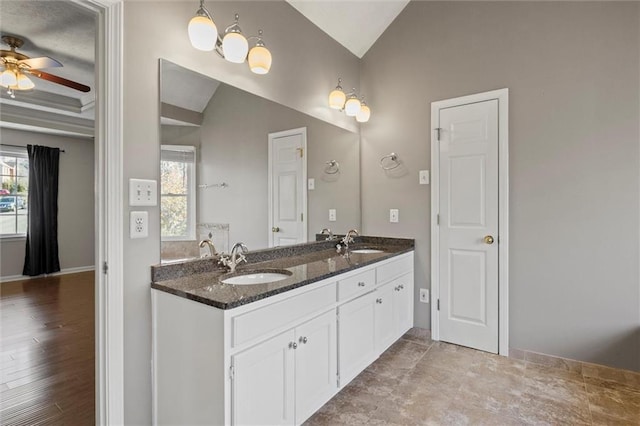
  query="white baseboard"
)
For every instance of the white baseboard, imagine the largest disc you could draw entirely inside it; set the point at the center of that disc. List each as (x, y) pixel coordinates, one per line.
(62, 272)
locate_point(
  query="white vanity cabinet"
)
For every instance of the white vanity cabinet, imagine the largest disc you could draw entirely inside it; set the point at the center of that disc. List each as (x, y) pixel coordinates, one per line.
(276, 360)
(287, 378)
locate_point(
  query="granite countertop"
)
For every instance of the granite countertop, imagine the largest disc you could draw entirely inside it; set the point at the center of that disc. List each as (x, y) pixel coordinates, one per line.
(200, 280)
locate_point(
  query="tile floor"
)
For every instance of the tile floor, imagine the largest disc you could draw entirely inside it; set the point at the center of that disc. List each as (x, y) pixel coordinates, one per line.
(418, 381)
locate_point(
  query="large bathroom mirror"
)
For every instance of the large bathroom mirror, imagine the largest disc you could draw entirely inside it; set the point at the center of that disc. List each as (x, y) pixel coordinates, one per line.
(236, 167)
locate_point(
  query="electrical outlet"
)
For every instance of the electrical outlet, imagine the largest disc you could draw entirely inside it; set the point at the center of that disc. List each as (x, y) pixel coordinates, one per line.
(332, 215)
(311, 184)
(139, 225)
(424, 177)
(394, 215)
(143, 192)
(424, 295)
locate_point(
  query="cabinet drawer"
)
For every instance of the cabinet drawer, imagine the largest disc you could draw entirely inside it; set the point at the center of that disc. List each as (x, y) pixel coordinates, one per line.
(394, 269)
(250, 325)
(356, 284)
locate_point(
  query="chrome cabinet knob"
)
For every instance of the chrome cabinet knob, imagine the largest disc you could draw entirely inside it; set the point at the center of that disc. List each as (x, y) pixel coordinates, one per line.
(275, 229)
(360, 284)
(379, 301)
(303, 339)
(293, 345)
(397, 288)
(488, 239)
(401, 286)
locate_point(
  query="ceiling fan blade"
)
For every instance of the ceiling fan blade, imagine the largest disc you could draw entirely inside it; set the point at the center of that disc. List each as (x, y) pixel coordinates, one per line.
(42, 62)
(59, 80)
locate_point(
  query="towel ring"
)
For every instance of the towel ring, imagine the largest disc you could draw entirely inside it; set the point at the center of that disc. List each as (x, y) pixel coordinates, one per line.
(332, 168)
(393, 157)
(214, 185)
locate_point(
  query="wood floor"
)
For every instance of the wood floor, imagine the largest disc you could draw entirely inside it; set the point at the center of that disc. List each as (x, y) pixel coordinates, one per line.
(47, 351)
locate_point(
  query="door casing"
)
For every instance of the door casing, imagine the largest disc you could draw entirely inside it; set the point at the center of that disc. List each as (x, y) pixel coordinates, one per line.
(502, 96)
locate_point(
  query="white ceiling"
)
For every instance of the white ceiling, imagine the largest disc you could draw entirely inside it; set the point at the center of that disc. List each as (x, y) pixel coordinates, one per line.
(355, 24)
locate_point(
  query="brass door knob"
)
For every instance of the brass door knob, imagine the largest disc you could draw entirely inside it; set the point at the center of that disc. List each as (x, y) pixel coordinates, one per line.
(488, 239)
(275, 229)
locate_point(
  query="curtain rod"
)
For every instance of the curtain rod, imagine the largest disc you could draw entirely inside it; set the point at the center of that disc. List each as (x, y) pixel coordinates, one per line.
(22, 146)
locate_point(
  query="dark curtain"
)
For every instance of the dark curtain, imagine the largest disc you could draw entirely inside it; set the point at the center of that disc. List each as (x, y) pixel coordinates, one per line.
(41, 255)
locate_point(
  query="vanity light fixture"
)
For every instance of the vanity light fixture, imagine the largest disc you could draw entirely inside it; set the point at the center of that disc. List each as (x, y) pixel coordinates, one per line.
(349, 103)
(233, 46)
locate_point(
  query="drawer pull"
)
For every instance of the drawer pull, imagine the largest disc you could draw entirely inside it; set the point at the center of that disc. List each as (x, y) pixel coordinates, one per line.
(360, 284)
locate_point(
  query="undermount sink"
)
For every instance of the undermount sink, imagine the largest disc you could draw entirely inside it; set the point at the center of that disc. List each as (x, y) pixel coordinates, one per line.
(367, 251)
(257, 277)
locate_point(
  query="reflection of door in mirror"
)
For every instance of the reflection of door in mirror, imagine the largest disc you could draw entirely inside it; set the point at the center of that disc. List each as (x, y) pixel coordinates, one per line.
(287, 192)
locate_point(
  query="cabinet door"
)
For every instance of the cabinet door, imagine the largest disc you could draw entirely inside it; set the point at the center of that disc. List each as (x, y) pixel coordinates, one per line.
(356, 336)
(262, 388)
(403, 304)
(316, 364)
(385, 328)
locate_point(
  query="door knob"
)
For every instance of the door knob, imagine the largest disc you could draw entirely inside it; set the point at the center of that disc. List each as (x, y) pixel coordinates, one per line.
(488, 239)
(275, 229)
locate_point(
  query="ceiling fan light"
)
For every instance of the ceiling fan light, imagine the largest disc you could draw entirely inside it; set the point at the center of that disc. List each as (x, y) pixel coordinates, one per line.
(364, 114)
(259, 59)
(24, 82)
(8, 78)
(203, 33)
(352, 106)
(235, 47)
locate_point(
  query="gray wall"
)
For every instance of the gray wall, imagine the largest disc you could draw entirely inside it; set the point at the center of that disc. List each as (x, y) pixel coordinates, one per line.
(75, 203)
(306, 64)
(235, 150)
(572, 70)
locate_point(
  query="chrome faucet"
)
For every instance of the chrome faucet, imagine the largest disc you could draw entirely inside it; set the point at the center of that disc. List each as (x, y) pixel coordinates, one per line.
(237, 256)
(327, 231)
(208, 243)
(348, 238)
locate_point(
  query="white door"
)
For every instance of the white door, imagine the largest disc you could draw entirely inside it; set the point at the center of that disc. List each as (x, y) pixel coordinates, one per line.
(287, 191)
(403, 303)
(468, 225)
(384, 325)
(356, 336)
(263, 383)
(316, 364)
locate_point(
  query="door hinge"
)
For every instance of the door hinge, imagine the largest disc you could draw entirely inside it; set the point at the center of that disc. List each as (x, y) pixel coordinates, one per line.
(438, 129)
(301, 151)
(338, 379)
(301, 217)
(232, 372)
(105, 267)
(437, 219)
(438, 304)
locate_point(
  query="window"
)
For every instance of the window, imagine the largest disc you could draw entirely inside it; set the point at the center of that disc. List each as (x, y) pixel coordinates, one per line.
(177, 192)
(14, 172)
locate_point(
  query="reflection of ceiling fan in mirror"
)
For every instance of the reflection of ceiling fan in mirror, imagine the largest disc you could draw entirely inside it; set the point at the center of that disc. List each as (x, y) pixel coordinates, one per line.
(16, 66)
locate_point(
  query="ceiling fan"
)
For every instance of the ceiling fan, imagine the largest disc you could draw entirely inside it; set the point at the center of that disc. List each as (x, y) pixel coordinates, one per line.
(17, 66)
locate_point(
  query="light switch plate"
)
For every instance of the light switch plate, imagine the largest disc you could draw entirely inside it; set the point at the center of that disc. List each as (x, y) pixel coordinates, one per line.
(139, 225)
(311, 184)
(424, 177)
(394, 215)
(143, 192)
(332, 215)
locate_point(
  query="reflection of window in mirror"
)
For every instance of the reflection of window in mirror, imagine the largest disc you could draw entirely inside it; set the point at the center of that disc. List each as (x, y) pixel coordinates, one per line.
(177, 192)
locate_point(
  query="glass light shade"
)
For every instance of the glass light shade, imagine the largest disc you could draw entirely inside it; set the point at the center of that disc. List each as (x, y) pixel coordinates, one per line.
(8, 78)
(363, 115)
(352, 107)
(203, 33)
(337, 99)
(235, 47)
(24, 83)
(259, 60)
